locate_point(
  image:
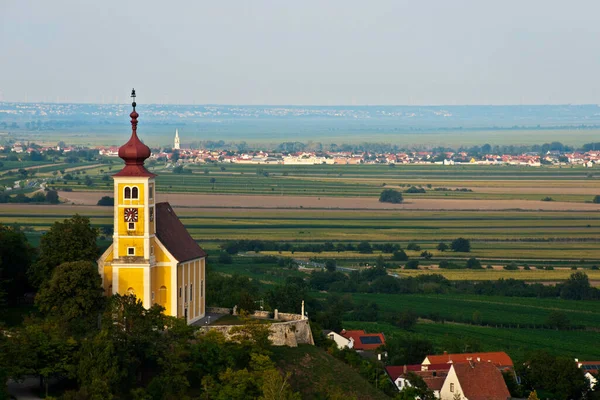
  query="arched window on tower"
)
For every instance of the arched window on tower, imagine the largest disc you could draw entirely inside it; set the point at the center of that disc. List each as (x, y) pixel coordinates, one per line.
(162, 295)
(134, 193)
(127, 192)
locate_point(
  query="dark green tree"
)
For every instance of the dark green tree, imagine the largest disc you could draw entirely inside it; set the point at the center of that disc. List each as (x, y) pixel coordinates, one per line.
(73, 295)
(399, 255)
(364, 248)
(391, 196)
(330, 265)
(577, 287)
(418, 388)
(558, 320)
(106, 201)
(473, 263)
(596, 199)
(15, 260)
(73, 239)
(442, 246)
(52, 197)
(558, 377)
(461, 245)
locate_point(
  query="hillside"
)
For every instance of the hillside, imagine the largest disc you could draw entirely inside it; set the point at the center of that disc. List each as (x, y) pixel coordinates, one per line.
(318, 375)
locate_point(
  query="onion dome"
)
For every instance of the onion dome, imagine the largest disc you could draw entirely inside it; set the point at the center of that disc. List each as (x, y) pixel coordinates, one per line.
(134, 152)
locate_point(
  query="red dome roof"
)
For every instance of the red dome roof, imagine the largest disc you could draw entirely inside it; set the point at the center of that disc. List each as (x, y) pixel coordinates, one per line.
(134, 152)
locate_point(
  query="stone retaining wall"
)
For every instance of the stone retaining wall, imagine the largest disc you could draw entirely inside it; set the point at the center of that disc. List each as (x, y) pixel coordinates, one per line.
(287, 333)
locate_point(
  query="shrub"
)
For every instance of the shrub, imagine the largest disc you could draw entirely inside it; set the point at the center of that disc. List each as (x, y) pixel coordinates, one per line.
(473, 263)
(461, 245)
(399, 255)
(364, 248)
(596, 199)
(414, 189)
(412, 264)
(426, 255)
(547, 198)
(391, 196)
(106, 201)
(511, 266)
(413, 247)
(442, 246)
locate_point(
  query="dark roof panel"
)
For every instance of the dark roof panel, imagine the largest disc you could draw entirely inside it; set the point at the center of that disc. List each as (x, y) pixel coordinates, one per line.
(173, 235)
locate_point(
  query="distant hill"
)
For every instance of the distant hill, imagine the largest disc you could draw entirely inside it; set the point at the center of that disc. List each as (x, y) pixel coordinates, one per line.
(318, 375)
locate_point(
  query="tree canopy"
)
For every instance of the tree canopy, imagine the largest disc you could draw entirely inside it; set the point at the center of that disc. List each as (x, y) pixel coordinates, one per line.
(461, 245)
(73, 294)
(390, 196)
(15, 259)
(74, 239)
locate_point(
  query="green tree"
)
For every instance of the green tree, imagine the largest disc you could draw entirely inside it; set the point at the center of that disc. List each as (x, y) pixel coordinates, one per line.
(330, 265)
(399, 255)
(276, 387)
(364, 248)
(412, 264)
(442, 246)
(52, 197)
(73, 239)
(461, 245)
(390, 196)
(558, 377)
(73, 295)
(596, 199)
(558, 320)
(417, 388)
(473, 263)
(15, 261)
(577, 287)
(213, 181)
(45, 350)
(106, 201)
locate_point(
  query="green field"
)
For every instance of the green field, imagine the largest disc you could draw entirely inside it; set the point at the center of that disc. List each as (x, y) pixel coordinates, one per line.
(491, 310)
(516, 342)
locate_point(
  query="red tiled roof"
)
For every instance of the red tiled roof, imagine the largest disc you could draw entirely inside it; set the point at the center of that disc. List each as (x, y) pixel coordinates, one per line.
(481, 381)
(363, 340)
(499, 359)
(394, 371)
(173, 235)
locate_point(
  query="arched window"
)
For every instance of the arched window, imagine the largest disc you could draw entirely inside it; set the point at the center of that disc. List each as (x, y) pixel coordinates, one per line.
(127, 192)
(134, 193)
(162, 295)
(131, 291)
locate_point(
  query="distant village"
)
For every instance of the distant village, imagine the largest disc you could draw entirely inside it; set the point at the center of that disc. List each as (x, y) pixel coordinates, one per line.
(178, 154)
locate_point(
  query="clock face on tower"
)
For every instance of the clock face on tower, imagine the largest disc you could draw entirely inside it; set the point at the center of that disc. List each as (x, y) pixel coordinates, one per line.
(131, 215)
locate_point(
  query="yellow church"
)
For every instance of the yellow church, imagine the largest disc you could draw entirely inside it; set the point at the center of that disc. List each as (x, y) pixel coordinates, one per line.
(152, 255)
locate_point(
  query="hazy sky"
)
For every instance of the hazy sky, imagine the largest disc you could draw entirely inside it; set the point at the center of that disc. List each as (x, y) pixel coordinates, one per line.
(301, 52)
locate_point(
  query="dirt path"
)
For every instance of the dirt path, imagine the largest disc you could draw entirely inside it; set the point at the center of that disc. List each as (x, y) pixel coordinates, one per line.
(307, 202)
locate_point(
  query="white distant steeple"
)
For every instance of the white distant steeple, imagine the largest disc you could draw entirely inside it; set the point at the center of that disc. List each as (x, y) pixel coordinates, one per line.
(176, 145)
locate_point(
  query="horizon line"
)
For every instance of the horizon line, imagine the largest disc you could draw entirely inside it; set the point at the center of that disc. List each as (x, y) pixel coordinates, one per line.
(308, 105)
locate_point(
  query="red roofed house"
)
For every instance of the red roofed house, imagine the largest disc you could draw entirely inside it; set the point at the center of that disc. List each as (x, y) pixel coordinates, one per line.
(474, 381)
(500, 359)
(590, 370)
(364, 341)
(433, 375)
